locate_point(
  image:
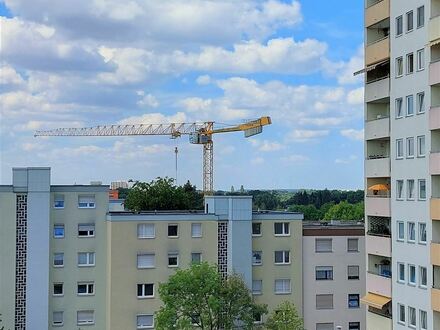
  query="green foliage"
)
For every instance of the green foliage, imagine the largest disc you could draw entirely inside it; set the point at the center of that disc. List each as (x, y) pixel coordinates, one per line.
(200, 296)
(162, 194)
(345, 211)
(311, 213)
(123, 193)
(285, 317)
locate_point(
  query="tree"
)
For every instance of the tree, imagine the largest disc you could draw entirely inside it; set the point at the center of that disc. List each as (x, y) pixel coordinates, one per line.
(163, 194)
(285, 317)
(311, 213)
(345, 211)
(199, 296)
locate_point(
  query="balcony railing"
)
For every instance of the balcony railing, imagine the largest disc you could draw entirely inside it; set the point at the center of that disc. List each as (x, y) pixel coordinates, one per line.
(377, 51)
(434, 73)
(376, 12)
(379, 283)
(382, 312)
(434, 28)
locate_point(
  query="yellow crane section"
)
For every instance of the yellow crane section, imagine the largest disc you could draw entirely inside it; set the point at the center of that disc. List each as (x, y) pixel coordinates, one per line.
(199, 133)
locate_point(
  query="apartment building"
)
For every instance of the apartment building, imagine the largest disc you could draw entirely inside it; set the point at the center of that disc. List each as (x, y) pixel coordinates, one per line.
(70, 263)
(402, 166)
(333, 275)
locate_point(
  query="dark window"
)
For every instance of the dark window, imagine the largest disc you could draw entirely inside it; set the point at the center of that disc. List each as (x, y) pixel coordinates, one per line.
(173, 230)
(354, 326)
(256, 228)
(324, 273)
(145, 290)
(420, 16)
(58, 288)
(353, 301)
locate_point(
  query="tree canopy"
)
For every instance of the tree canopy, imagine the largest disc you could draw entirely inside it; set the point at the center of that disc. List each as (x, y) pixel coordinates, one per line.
(200, 296)
(285, 317)
(345, 211)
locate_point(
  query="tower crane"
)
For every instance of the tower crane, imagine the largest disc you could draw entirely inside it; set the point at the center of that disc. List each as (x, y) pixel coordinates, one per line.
(199, 133)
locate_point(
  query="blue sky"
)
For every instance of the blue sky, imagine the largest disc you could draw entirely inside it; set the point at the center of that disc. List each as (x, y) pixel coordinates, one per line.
(106, 61)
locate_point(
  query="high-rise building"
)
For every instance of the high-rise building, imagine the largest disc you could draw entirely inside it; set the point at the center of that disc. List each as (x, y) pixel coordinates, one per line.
(402, 163)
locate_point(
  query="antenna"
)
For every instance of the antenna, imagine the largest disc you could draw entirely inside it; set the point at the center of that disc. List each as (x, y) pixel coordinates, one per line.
(176, 151)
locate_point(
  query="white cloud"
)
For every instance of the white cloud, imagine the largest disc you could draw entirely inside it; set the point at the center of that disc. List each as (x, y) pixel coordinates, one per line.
(203, 80)
(353, 134)
(356, 96)
(345, 75)
(154, 118)
(8, 76)
(147, 100)
(306, 135)
(266, 145)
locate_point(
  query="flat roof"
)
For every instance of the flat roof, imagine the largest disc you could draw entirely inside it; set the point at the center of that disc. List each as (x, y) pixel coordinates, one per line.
(79, 188)
(339, 228)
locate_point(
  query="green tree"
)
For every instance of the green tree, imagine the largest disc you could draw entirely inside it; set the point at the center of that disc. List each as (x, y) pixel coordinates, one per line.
(163, 194)
(285, 317)
(311, 213)
(345, 211)
(198, 297)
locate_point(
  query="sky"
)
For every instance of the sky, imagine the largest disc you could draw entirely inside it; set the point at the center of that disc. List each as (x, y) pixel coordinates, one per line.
(95, 62)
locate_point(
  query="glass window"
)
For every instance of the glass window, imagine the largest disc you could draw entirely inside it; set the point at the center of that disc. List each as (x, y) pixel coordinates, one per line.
(85, 289)
(58, 289)
(399, 184)
(409, 21)
(412, 317)
(86, 230)
(409, 63)
(411, 274)
(401, 309)
(282, 257)
(86, 201)
(196, 257)
(420, 16)
(58, 231)
(422, 232)
(324, 301)
(423, 320)
(281, 228)
(58, 202)
(257, 258)
(411, 231)
(353, 272)
(145, 290)
(144, 321)
(399, 108)
(256, 228)
(173, 230)
(323, 273)
(352, 245)
(409, 105)
(257, 286)
(323, 245)
(58, 259)
(423, 279)
(422, 189)
(325, 326)
(146, 230)
(196, 230)
(282, 286)
(146, 260)
(353, 301)
(86, 259)
(399, 148)
(399, 25)
(85, 317)
(410, 147)
(420, 59)
(354, 326)
(58, 318)
(420, 102)
(421, 146)
(173, 259)
(400, 230)
(399, 66)
(401, 271)
(410, 189)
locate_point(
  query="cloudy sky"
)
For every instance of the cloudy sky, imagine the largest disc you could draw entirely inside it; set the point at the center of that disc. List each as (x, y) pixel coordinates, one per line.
(92, 62)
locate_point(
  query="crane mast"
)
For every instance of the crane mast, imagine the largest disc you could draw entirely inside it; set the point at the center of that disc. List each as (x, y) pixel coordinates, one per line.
(199, 133)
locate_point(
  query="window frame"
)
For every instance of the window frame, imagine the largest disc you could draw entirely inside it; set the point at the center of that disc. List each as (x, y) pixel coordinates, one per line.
(58, 324)
(139, 255)
(328, 270)
(86, 322)
(399, 19)
(401, 272)
(320, 295)
(419, 185)
(284, 232)
(408, 20)
(410, 189)
(348, 273)
(401, 308)
(254, 226)
(88, 264)
(172, 255)
(61, 284)
(140, 233)
(55, 200)
(53, 260)
(177, 230)
(257, 292)
(409, 105)
(421, 277)
(88, 285)
(420, 60)
(255, 259)
(410, 147)
(192, 257)
(421, 141)
(411, 224)
(420, 102)
(399, 107)
(399, 143)
(420, 22)
(410, 268)
(196, 235)
(422, 229)
(144, 326)
(410, 67)
(357, 299)
(399, 238)
(412, 312)
(324, 239)
(399, 67)
(357, 244)
(143, 287)
(282, 292)
(285, 256)
(88, 231)
(87, 205)
(402, 192)
(425, 326)
(59, 226)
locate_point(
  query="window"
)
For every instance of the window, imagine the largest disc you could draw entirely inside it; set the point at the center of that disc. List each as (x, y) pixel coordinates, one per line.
(58, 202)
(324, 301)
(423, 320)
(409, 21)
(257, 286)
(85, 289)
(144, 321)
(323, 273)
(422, 189)
(85, 317)
(256, 229)
(282, 286)
(420, 102)
(399, 108)
(173, 230)
(400, 230)
(410, 189)
(257, 258)
(399, 67)
(409, 63)
(146, 260)
(173, 259)
(421, 146)
(281, 229)
(86, 202)
(411, 231)
(353, 272)
(86, 259)
(58, 259)
(146, 230)
(409, 105)
(58, 289)
(258, 318)
(282, 257)
(420, 16)
(145, 290)
(410, 147)
(58, 231)
(323, 245)
(399, 25)
(196, 257)
(325, 326)
(420, 59)
(352, 245)
(422, 232)
(354, 326)
(401, 309)
(423, 279)
(399, 189)
(401, 271)
(411, 274)
(353, 301)
(57, 318)
(86, 230)
(399, 148)
(411, 317)
(196, 230)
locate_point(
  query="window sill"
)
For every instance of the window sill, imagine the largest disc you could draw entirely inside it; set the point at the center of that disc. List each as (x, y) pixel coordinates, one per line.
(411, 242)
(283, 293)
(88, 323)
(87, 207)
(58, 207)
(147, 237)
(282, 264)
(173, 237)
(58, 324)
(58, 266)
(86, 265)
(412, 284)
(323, 251)
(423, 287)
(257, 264)
(152, 267)
(281, 235)
(353, 251)
(85, 294)
(86, 236)
(257, 293)
(423, 243)
(147, 297)
(58, 295)
(257, 235)
(196, 236)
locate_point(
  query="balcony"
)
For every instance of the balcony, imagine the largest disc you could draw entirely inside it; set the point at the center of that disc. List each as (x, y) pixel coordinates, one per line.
(435, 299)
(377, 129)
(379, 284)
(434, 163)
(377, 89)
(434, 118)
(434, 73)
(379, 167)
(377, 320)
(434, 28)
(435, 208)
(377, 205)
(377, 51)
(377, 12)
(379, 245)
(435, 254)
